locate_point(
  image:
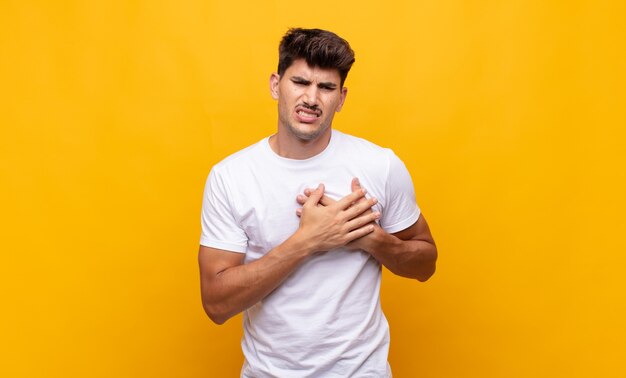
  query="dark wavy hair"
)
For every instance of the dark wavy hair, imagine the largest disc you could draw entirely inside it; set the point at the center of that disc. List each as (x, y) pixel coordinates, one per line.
(320, 48)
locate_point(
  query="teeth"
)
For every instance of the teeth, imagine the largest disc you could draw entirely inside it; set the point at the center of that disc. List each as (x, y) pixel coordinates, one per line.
(305, 114)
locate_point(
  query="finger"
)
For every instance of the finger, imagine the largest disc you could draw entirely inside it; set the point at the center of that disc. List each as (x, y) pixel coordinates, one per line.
(326, 200)
(359, 232)
(315, 196)
(299, 211)
(348, 200)
(362, 220)
(355, 185)
(301, 199)
(363, 206)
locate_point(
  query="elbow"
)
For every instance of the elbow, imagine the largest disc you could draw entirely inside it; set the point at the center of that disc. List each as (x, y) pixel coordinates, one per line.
(214, 305)
(217, 319)
(429, 268)
(215, 313)
(425, 275)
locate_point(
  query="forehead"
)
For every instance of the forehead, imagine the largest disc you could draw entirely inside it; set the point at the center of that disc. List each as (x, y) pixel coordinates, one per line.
(302, 69)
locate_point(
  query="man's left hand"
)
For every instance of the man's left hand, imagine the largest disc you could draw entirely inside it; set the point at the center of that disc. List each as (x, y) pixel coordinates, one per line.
(364, 243)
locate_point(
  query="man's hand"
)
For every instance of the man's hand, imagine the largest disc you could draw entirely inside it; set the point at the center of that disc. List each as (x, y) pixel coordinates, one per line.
(229, 286)
(362, 242)
(326, 224)
(409, 253)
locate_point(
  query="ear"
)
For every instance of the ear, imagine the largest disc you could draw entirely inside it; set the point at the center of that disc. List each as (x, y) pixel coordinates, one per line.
(342, 99)
(274, 79)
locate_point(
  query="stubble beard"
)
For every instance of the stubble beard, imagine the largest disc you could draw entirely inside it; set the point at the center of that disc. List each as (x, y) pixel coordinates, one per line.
(305, 136)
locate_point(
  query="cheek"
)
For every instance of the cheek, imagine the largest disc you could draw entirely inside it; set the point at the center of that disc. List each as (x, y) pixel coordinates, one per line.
(332, 105)
(290, 97)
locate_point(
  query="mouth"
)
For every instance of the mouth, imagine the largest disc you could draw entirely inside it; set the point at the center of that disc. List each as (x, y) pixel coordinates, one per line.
(307, 115)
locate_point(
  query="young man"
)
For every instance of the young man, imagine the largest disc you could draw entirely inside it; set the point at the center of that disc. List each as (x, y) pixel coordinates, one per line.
(295, 229)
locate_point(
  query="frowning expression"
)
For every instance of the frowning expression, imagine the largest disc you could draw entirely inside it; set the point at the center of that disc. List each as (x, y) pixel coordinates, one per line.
(308, 98)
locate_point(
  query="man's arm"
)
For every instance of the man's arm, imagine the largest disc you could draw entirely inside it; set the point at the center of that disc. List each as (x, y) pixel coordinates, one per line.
(409, 253)
(228, 286)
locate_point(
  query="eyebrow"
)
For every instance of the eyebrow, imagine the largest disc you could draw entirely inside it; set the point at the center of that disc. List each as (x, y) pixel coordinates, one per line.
(325, 84)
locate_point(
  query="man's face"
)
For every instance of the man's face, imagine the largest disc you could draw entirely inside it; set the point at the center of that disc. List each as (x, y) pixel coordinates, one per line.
(308, 98)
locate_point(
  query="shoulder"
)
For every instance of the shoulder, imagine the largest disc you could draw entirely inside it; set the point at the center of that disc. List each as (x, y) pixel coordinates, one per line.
(240, 159)
(360, 144)
(374, 155)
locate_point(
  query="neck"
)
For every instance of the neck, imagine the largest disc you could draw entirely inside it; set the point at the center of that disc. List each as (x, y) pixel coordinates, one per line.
(291, 147)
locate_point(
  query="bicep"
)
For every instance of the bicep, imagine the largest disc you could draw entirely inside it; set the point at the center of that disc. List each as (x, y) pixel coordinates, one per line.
(213, 261)
(418, 231)
(213, 289)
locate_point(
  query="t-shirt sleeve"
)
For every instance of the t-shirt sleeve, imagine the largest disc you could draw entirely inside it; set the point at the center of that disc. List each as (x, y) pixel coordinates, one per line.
(400, 210)
(220, 229)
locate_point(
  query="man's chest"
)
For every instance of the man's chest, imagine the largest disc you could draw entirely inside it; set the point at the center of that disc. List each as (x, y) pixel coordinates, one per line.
(265, 204)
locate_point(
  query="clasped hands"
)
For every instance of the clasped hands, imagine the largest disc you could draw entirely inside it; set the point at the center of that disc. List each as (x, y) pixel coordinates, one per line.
(327, 223)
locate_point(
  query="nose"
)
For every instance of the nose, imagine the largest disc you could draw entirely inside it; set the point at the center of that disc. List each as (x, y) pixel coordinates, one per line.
(311, 95)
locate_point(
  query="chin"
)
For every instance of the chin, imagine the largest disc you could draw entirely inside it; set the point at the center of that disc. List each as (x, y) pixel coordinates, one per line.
(308, 132)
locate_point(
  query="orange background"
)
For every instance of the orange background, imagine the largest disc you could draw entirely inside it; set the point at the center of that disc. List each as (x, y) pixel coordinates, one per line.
(510, 116)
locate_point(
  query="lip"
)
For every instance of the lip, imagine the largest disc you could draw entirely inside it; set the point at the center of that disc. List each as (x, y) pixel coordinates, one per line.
(306, 115)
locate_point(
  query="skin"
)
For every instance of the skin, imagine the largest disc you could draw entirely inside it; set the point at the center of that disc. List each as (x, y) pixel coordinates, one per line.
(228, 286)
(308, 98)
(409, 253)
(317, 93)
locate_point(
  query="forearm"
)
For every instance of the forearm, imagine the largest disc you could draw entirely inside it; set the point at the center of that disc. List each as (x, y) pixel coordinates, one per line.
(229, 286)
(413, 258)
(237, 288)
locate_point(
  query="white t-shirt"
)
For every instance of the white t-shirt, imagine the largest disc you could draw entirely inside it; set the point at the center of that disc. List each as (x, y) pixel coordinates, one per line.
(325, 319)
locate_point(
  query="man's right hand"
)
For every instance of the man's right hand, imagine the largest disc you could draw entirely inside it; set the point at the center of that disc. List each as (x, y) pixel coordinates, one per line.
(323, 228)
(229, 286)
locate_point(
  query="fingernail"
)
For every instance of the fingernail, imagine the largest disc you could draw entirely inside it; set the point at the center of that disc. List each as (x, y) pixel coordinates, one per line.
(374, 200)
